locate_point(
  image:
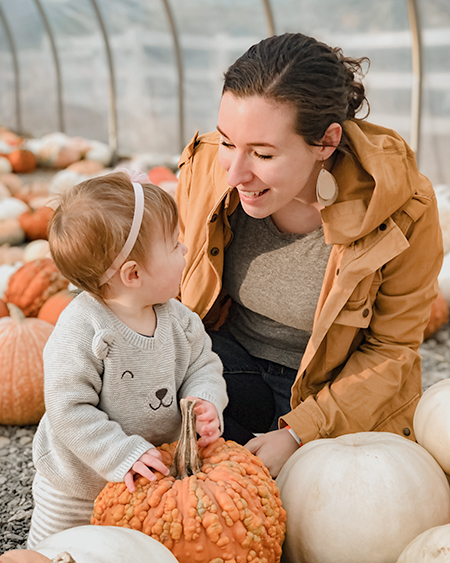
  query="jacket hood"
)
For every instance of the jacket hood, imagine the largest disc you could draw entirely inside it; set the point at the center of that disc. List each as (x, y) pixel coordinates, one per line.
(375, 179)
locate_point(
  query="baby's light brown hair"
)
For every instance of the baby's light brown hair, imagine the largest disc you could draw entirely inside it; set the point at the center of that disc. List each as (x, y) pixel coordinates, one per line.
(92, 221)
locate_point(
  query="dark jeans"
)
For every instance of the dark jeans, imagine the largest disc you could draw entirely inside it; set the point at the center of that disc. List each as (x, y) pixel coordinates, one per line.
(259, 391)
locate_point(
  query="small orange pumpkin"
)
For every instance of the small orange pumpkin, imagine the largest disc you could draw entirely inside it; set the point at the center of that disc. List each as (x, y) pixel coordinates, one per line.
(219, 504)
(54, 306)
(23, 556)
(22, 342)
(4, 311)
(35, 222)
(22, 161)
(32, 284)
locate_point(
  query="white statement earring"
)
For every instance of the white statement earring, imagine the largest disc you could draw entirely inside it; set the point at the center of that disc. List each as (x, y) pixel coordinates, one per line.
(327, 189)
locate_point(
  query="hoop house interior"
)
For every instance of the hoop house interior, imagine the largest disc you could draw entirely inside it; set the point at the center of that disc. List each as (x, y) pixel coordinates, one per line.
(145, 75)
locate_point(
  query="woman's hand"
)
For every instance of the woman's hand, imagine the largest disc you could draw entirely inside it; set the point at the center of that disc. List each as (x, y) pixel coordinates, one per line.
(207, 421)
(151, 458)
(274, 449)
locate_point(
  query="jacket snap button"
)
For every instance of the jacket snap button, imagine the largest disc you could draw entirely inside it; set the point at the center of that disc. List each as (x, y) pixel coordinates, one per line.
(215, 251)
(365, 313)
(214, 218)
(406, 431)
(383, 227)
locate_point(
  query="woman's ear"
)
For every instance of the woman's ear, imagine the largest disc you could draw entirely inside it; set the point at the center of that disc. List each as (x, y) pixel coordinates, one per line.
(130, 274)
(330, 140)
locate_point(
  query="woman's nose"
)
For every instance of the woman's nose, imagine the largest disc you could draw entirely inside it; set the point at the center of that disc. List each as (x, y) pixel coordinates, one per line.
(238, 171)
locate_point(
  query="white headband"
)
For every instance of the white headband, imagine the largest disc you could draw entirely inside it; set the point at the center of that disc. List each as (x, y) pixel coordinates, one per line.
(132, 235)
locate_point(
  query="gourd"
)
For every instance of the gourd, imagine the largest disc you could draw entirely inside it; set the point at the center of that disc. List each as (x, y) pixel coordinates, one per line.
(432, 422)
(431, 546)
(22, 342)
(23, 556)
(4, 311)
(218, 504)
(36, 249)
(93, 544)
(360, 498)
(22, 161)
(32, 284)
(11, 232)
(35, 222)
(54, 306)
(12, 208)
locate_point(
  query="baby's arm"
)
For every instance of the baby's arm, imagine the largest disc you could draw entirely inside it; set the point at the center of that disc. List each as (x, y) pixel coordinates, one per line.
(206, 421)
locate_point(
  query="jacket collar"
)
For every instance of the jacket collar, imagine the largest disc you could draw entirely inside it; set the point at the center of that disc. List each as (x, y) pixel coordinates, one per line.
(376, 179)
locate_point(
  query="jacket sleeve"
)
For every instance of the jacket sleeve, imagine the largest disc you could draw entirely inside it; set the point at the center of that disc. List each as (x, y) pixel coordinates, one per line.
(382, 376)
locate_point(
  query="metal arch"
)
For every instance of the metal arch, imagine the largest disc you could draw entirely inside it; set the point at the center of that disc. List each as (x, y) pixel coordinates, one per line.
(59, 89)
(112, 109)
(12, 48)
(417, 68)
(180, 70)
(269, 17)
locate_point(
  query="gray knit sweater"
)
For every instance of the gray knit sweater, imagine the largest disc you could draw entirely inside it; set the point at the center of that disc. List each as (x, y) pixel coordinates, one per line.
(111, 393)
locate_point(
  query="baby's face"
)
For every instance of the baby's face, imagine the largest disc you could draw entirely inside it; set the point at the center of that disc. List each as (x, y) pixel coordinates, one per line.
(164, 267)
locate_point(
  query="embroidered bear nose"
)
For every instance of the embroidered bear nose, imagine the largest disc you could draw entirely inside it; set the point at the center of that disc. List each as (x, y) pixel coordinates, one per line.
(161, 393)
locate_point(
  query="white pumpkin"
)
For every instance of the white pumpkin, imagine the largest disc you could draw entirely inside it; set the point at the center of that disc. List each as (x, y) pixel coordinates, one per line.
(12, 208)
(360, 498)
(431, 546)
(35, 249)
(99, 152)
(5, 165)
(105, 544)
(6, 271)
(432, 422)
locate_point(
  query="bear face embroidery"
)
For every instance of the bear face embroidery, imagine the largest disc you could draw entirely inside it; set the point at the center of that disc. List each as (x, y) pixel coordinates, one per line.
(161, 400)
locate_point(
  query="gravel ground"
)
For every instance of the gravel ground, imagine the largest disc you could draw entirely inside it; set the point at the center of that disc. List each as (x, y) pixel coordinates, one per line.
(16, 466)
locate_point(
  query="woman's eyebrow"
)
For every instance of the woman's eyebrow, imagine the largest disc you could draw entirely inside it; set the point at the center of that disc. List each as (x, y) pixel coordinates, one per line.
(248, 144)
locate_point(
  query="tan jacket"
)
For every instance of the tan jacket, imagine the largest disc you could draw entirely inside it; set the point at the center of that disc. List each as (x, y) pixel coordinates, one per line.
(361, 370)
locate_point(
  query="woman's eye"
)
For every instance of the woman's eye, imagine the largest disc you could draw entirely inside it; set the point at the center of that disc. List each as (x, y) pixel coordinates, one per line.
(263, 156)
(227, 145)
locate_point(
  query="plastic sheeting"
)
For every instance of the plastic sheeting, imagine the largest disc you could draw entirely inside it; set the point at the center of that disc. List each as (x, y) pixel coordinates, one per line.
(146, 74)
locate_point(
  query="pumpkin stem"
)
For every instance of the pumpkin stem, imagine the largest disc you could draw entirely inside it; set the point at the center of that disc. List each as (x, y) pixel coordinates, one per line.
(15, 313)
(63, 557)
(186, 460)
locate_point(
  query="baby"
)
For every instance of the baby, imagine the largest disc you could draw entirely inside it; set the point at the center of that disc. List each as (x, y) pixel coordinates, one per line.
(123, 353)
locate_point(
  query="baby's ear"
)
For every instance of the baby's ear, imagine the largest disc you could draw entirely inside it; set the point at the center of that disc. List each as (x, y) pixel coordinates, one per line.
(130, 274)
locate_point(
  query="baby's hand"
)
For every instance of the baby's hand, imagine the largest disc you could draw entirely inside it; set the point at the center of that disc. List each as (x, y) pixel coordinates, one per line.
(206, 421)
(151, 458)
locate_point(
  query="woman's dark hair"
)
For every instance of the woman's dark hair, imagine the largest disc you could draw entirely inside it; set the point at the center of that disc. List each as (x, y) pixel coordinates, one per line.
(316, 79)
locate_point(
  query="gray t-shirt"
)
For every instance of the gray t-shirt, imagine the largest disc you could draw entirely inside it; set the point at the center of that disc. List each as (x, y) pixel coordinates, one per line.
(274, 280)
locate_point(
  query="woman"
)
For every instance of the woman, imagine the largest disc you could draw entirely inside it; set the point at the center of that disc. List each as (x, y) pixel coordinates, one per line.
(314, 249)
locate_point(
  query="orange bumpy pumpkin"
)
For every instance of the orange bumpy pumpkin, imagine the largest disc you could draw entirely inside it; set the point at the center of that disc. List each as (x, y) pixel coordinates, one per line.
(22, 161)
(219, 505)
(22, 342)
(32, 284)
(54, 306)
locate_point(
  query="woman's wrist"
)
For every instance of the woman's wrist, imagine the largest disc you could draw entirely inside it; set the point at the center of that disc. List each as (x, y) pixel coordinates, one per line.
(294, 435)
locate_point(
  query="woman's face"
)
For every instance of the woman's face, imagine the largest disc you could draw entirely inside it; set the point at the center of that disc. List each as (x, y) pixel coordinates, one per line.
(265, 159)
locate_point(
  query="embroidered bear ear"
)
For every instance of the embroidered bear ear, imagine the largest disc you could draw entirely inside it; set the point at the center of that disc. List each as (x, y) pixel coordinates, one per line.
(101, 342)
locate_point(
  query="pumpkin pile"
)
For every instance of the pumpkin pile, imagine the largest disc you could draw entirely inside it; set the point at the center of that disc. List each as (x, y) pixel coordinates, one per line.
(220, 503)
(360, 498)
(35, 295)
